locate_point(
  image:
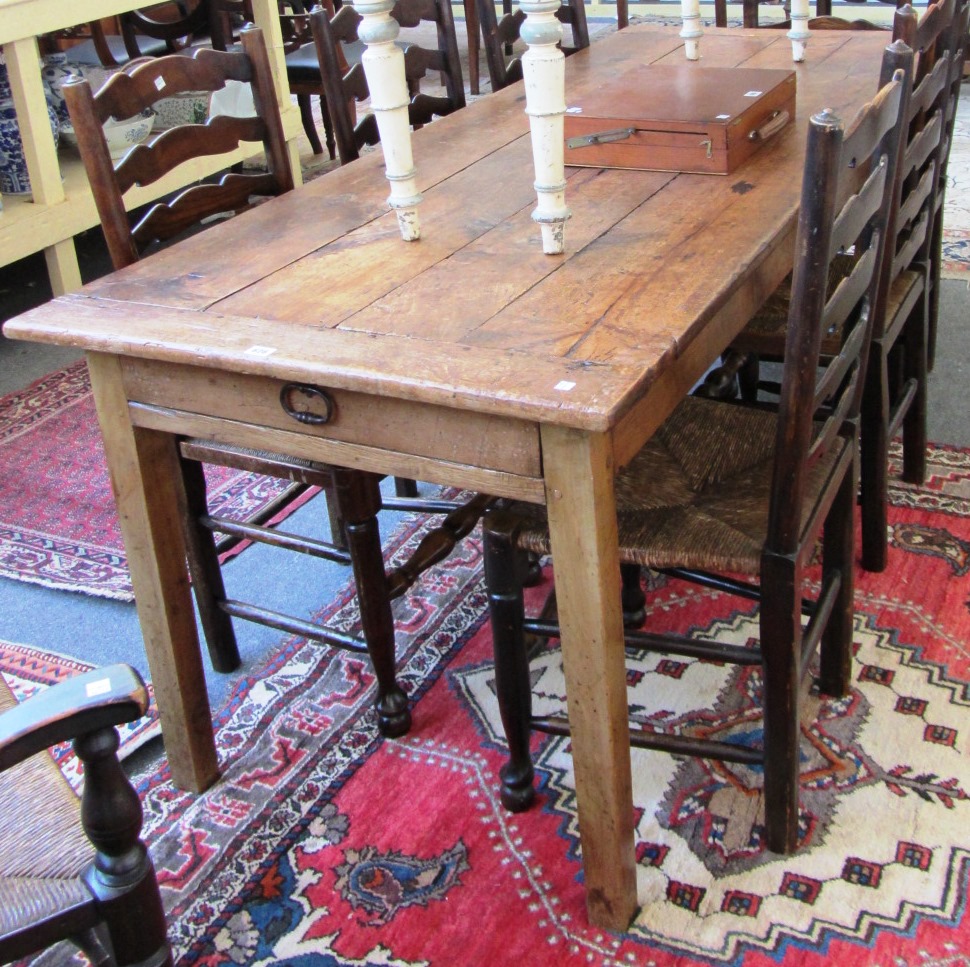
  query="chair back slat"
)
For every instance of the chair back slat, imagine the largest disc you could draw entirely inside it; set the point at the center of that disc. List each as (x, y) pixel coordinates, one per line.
(138, 88)
(345, 87)
(147, 163)
(230, 195)
(847, 192)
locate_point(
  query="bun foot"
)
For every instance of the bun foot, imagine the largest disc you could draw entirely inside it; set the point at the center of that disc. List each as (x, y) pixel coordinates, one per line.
(393, 715)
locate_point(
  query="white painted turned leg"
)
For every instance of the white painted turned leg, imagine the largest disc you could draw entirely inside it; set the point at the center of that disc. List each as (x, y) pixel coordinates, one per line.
(691, 32)
(798, 35)
(383, 63)
(544, 73)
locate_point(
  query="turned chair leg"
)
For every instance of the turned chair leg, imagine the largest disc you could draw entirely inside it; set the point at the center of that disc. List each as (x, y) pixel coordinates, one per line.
(632, 597)
(503, 566)
(207, 583)
(749, 375)
(328, 128)
(874, 454)
(914, 341)
(359, 501)
(780, 646)
(309, 127)
(838, 557)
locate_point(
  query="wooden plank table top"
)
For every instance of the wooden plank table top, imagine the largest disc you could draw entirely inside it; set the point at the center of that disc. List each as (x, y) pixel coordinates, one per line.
(467, 358)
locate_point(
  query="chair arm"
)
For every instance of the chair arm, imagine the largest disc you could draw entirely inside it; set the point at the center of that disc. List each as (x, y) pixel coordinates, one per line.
(85, 703)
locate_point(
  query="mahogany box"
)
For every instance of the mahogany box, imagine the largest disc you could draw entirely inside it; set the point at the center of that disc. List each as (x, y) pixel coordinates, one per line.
(679, 117)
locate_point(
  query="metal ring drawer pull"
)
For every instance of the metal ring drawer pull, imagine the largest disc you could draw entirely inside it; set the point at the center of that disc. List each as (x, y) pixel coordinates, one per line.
(306, 404)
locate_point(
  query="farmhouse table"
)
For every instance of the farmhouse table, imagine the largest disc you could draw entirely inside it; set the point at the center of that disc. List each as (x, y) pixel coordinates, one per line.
(468, 358)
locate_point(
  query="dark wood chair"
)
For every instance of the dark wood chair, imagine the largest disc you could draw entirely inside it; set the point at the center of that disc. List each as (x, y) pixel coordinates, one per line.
(957, 75)
(354, 497)
(149, 32)
(303, 71)
(724, 490)
(75, 869)
(896, 381)
(162, 29)
(338, 46)
(499, 35)
(139, 87)
(829, 23)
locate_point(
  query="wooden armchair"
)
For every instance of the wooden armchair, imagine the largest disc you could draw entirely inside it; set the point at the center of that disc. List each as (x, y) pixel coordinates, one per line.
(354, 497)
(722, 490)
(69, 869)
(346, 86)
(500, 35)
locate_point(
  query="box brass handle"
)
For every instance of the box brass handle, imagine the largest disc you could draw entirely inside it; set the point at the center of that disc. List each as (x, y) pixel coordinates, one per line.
(306, 404)
(771, 127)
(600, 137)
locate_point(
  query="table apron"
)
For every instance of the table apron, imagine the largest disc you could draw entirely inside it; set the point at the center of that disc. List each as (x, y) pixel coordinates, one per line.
(460, 448)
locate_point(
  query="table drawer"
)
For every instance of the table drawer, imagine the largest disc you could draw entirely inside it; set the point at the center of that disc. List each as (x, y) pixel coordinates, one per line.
(421, 429)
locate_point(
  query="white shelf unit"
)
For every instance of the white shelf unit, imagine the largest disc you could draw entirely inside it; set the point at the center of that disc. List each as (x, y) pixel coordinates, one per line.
(62, 205)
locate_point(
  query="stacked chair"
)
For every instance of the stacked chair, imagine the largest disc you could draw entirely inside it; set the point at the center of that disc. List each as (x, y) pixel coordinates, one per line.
(345, 86)
(356, 494)
(723, 490)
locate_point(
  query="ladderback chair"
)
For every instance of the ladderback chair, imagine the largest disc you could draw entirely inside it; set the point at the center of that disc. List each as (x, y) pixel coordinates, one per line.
(354, 497)
(896, 385)
(500, 34)
(961, 34)
(723, 489)
(69, 869)
(138, 88)
(345, 87)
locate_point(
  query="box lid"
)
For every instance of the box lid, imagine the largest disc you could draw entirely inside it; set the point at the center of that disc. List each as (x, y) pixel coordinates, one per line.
(680, 94)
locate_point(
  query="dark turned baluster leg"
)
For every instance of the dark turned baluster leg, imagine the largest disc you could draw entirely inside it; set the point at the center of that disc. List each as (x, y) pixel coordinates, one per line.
(328, 128)
(780, 645)
(838, 556)
(403, 487)
(359, 500)
(512, 681)
(632, 597)
(121, 876)
(873, 451)
(207, 583)
(337, 536)
(309, 127)
(749, 375)
(532, 570)
(914, 422)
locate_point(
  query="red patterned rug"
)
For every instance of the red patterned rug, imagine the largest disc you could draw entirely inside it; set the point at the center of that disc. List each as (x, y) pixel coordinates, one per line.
(58, 526)
(28, 671)
(326, 845)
